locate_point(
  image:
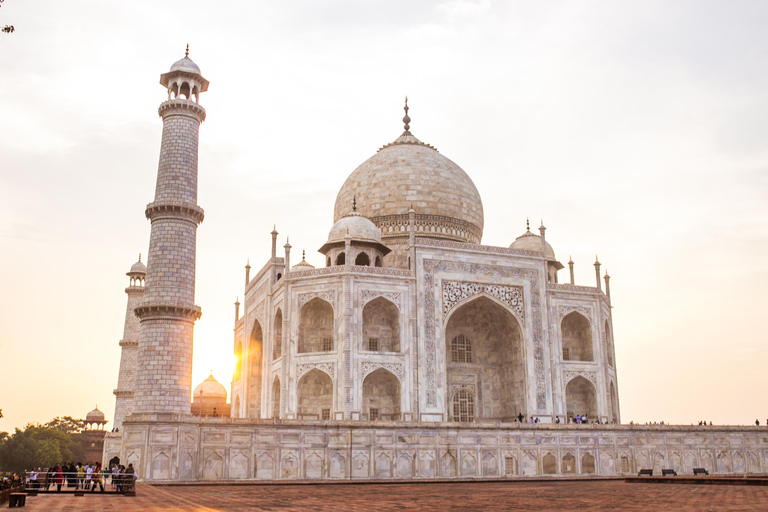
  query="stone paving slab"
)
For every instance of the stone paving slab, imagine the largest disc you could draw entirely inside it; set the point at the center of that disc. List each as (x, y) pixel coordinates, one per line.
(485, 496)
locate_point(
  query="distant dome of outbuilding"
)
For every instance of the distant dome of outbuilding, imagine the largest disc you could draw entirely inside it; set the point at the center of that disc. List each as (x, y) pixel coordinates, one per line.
(210, 388)
(94, 416)
(138, 267)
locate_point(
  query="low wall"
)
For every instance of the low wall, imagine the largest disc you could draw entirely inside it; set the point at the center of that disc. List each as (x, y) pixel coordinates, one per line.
(182, 448)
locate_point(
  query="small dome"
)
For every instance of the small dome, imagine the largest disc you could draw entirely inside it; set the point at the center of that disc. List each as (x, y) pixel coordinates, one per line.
(187, 65)
(210, 388)
(531, 242)
(359, 228)
(303, 264)
(94, 416)
(138, 268)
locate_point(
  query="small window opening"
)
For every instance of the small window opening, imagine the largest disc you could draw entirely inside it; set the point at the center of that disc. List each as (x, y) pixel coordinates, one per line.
(373, 344)
(373, 413)
(327, 344)
(326, 414)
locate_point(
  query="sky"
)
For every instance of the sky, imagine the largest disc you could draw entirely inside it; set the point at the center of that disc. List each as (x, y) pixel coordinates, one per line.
(635, 130)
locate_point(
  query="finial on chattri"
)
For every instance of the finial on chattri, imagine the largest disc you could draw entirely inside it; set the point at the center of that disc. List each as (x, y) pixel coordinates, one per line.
(186, 53)
(303, 254)
(407, 119)
(527, 224)
(354, 203)
(139, 257)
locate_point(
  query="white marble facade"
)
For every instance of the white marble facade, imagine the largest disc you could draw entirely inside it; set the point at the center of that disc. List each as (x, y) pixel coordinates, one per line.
(411, 354)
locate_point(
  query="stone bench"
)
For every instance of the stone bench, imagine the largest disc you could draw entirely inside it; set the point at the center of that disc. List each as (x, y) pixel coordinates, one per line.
(668, 472)
(645, 472)
(700, 471)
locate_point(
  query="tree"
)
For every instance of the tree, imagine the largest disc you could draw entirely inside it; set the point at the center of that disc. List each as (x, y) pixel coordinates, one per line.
(56, 442)
(7, 29)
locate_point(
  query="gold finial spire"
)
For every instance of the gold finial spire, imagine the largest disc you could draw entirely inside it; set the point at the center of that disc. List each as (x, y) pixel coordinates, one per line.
(186, 53)
(527, 225)
(139, 257)
(407, 119)
(303, 255)
(354, 203)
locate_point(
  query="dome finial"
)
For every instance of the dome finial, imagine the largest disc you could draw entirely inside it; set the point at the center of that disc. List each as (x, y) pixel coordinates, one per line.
(186, 53)
(303, 255)
(354, 203)
(139, 256)
(527, 225)
(407, 119)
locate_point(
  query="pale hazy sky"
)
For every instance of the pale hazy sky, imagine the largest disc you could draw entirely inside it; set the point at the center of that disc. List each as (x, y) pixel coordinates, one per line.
(637, 130)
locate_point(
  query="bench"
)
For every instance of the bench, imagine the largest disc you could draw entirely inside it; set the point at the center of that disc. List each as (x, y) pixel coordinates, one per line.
(668, 472)
(646, 472)
(17, 499)
(700, 471)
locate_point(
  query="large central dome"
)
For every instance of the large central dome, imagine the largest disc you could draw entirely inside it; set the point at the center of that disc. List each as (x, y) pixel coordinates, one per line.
(410, 174)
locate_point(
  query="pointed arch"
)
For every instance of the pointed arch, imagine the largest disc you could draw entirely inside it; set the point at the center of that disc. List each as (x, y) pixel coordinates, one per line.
(341, 259)
(381, 395)
(607, 345)
(484, 345)
(255, 370)
(238, 361)
(315, 395)
(316, 327)
(381, 326)
(581, 398)
(614, 404)
(277, 342)
(576, 334)
(363, 260)
(276, 397)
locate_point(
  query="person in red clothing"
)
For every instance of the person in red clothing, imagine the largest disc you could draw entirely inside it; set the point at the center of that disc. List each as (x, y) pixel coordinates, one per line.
(59, 477)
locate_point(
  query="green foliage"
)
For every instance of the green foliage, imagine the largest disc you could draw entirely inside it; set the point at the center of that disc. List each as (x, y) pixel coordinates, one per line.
(56, 442)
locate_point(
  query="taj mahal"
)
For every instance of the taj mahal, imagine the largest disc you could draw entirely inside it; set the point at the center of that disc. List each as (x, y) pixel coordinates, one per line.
(416, 352)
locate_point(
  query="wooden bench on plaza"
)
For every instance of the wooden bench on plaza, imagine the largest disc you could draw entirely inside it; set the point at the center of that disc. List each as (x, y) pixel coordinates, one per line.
(17, 499)
(645, 472)
(668, 472)
(700, 471)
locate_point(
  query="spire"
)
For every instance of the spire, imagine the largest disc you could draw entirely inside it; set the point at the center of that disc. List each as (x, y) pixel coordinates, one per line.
(186, 53)
(354, 203)
(139, 257)
(527, 225)
(406, 119)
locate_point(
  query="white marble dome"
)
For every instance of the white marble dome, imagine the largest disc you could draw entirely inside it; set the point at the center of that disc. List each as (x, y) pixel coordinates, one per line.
(408, 173)
(138, 268)
(209, 388)
(94, 416)
(187, 65)
(532, 242)
(360, 229)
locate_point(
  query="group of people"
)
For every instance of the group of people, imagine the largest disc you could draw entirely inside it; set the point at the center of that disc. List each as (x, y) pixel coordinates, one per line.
(82, 476)
(11, 483)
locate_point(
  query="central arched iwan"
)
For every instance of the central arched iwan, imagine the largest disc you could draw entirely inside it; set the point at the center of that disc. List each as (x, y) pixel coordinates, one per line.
(484, 351)
(577, 338)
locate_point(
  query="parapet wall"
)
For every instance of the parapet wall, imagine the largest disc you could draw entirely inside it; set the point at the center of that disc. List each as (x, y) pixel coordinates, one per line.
(182, 448)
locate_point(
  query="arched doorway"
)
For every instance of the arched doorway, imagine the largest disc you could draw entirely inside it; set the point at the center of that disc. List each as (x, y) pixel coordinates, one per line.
(577, 338)
(363, 260)
(276, 398)
(484, 357)
(277, 342)
(580, 398)
(381, 326)
(316, 327)
(255, 366)
(315, 396)
(381, 395)
(614, 405)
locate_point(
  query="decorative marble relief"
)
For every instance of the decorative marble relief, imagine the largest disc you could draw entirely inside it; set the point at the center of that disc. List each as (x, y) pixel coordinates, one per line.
(455, 292)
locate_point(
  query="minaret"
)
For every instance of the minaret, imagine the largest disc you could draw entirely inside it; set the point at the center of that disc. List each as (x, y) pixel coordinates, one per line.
(126, 379)
(168, 314)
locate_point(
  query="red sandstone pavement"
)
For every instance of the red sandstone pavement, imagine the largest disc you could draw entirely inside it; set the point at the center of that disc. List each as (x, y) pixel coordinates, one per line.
(584, 496)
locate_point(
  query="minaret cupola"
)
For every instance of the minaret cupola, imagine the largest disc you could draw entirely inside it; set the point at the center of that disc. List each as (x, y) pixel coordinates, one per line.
(184, 80)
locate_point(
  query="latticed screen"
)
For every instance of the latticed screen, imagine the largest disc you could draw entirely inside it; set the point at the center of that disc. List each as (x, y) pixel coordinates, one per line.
(566, 354)
(373, 344)
(326, 414)
(463, 406)
(509, 465)
(327, 344)
(373, 413)
(461, 349)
